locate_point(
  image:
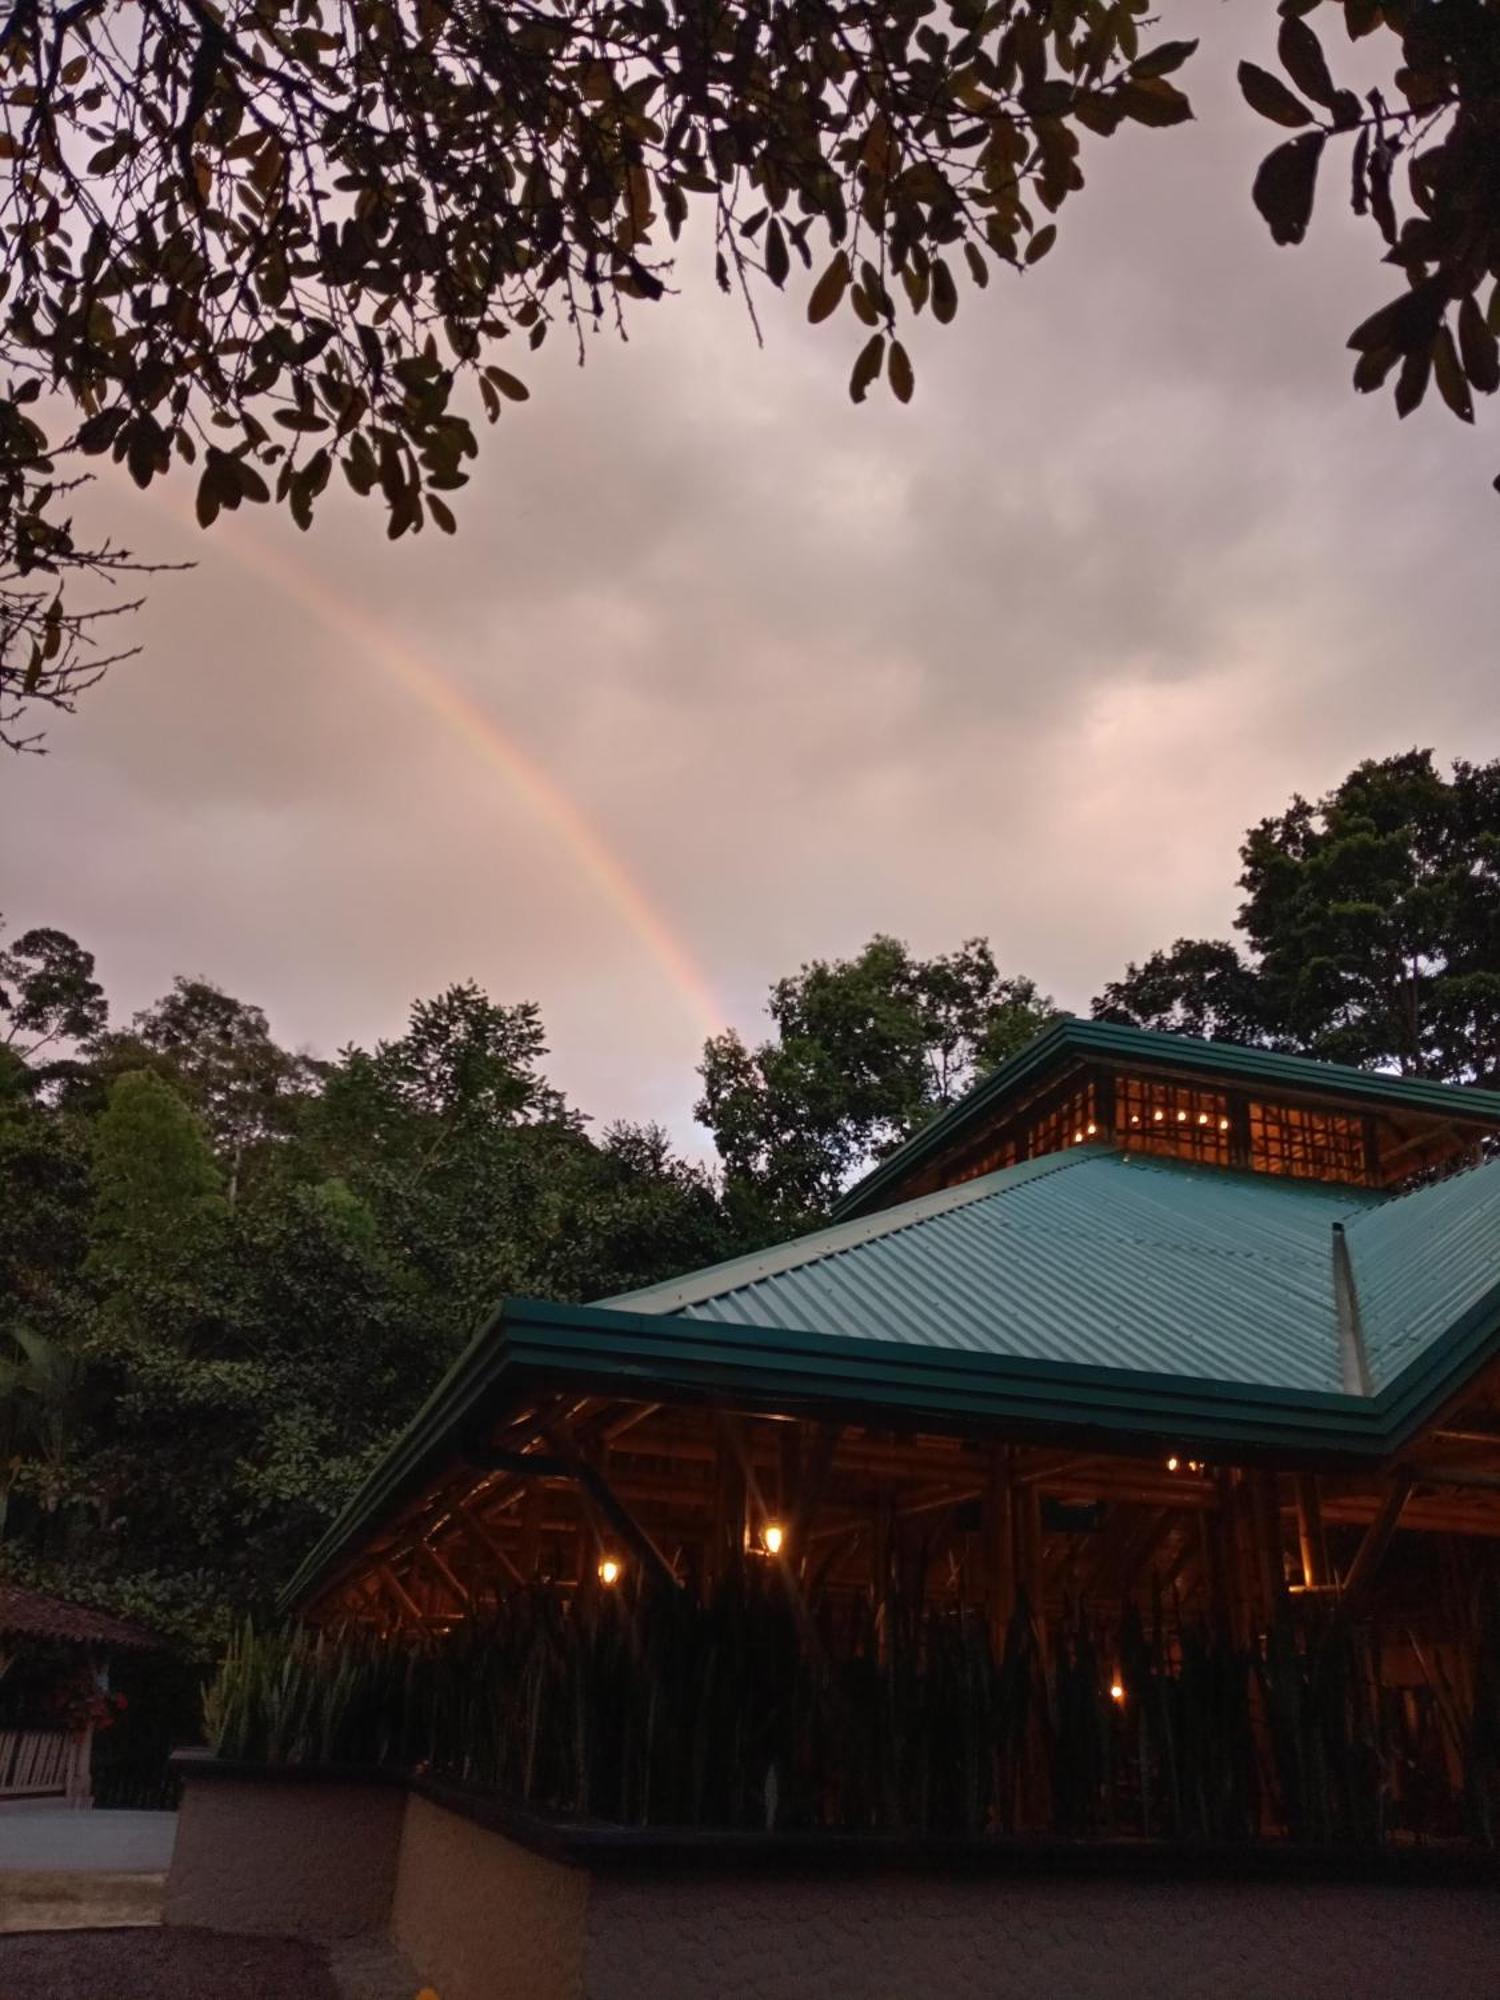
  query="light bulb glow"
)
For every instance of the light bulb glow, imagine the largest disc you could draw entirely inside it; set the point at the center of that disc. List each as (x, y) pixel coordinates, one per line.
(1172, 1464)
(773, 1536)
(1116, 1691)
(1156, 1117)
(1182, 1118)
(609, 1572)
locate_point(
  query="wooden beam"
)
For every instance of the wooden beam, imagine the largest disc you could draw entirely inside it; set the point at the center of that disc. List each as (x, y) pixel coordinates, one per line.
(1312, 1538)
(480, 1532)
(1371, 1551)
(462, 1594)
(398, 1593)
(615, 1512)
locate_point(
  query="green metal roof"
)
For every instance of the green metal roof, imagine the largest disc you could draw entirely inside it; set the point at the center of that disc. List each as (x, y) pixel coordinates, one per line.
(1142, 1048)
(1091, 1256)
(1110, 1299)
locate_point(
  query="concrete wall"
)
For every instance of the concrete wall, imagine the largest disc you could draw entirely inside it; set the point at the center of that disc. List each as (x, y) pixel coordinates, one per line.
(899, 1938)
(480, 1917)
(299, 1860)
(483, 1917)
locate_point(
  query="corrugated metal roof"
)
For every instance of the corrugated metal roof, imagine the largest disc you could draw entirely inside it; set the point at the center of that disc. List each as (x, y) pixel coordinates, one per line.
(1091, 1256)
(1420, 1262)
(1091, 1294)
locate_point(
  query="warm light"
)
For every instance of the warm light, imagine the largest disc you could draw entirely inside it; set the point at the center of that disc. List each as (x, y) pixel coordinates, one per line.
(1223, 1124)
(1156, 1118)
(1078, 1138)
(1202, 1117)
(1135, 1118)
(1182, 1118)
(1092, 1130)
(773, 1536)
(1171, 1465)
(609, 1571)
(1116, 1691)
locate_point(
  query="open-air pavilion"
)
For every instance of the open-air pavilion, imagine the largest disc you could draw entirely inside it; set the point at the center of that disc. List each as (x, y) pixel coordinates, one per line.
(1000, 1592)
(1148, 1346)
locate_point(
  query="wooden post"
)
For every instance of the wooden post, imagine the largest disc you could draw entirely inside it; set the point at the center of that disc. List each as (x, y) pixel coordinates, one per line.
(998, 1515)
(1312, 1538)
(1265, 1524)
(1029, 1561)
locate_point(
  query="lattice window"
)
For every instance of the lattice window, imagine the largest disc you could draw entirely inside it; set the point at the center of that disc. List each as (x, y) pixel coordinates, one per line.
(1309, 1145)
(1178, 1119)
(1072, 1122)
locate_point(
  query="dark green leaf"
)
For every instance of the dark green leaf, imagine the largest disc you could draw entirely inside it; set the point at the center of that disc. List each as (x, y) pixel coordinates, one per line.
(1285, 185)
(1163, 59)
(868, 366)
(829, 289)
(1269, 96)
(1302, 58)
(1153, 101)
(1478, 348)
(778, 262)
(944, 293)
(899, 373)
(1449, 376)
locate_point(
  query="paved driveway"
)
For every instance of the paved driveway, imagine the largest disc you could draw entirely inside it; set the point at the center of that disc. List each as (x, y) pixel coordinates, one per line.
(66, 1870)
(38, 1835)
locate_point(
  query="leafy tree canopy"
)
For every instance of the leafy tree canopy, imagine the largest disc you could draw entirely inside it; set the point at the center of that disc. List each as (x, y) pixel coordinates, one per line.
(1373, 924)
(48, 993)
(866, 1050)
(267, 242)
(228, 1274)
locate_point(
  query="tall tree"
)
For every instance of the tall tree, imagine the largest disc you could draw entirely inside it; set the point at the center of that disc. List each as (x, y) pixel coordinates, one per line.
(48, 993)
(268, 240)
(220, 1054)
(865, 1051)
(1373, 923)
(158, 1193)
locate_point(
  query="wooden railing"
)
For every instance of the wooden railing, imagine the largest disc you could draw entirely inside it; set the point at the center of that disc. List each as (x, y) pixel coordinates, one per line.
(38, 1763)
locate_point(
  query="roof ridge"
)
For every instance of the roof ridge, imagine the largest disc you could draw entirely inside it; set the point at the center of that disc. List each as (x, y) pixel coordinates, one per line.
(1393, 1197)
(834, 1238)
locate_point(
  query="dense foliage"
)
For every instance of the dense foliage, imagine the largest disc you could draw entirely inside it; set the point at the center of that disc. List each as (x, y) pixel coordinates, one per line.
(763, 1707)
(865, 1051)
(273, 241)
(1373, 921)
(228, 1274)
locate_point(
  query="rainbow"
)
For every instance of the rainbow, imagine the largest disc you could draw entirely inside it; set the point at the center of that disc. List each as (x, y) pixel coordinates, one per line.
(421, 678)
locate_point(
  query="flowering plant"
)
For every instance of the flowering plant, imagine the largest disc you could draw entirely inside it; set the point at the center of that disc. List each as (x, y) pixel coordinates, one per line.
(81, 1705)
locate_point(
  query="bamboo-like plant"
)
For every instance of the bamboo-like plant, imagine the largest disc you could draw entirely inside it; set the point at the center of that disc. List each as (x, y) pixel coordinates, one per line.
(747, 1708)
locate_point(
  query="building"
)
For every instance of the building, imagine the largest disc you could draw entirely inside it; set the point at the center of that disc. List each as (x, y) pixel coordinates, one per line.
(1121, 1465)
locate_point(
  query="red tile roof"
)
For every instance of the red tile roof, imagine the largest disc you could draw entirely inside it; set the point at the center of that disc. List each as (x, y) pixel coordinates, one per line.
(31, 1614)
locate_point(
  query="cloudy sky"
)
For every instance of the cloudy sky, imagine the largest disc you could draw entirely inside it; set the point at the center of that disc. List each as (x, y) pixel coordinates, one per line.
(722, 673)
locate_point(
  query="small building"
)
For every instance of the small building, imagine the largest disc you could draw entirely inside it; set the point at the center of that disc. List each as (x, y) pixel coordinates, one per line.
(54, 1691)
(1122, 1464)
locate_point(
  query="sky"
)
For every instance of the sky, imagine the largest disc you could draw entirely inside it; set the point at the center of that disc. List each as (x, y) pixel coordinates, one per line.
(722, 673)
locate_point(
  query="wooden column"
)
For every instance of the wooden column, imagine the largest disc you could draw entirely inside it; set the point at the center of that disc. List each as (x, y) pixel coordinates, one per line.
(1312, 1538)
(998, 1516)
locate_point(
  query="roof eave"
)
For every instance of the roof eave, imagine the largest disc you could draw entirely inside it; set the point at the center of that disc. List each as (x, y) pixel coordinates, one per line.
(661, 1357)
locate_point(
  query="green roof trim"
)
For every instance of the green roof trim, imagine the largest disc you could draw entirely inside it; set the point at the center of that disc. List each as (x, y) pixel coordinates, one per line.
(1132, 1047)
(911, 1382)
